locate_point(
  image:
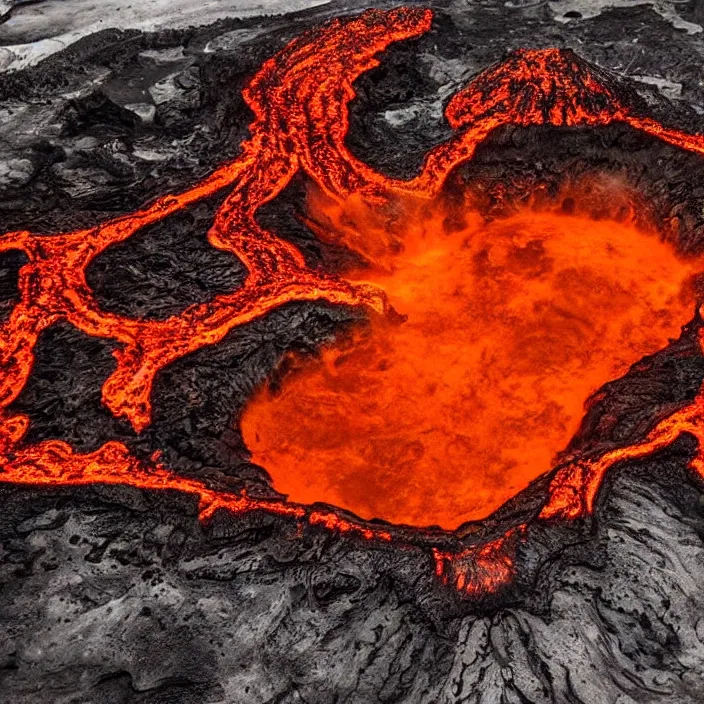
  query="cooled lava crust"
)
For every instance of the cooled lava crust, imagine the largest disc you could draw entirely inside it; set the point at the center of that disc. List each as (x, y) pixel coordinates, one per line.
(299, 99)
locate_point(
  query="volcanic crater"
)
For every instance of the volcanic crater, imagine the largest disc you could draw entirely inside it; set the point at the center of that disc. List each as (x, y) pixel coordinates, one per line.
(486, 333)
(439, 360)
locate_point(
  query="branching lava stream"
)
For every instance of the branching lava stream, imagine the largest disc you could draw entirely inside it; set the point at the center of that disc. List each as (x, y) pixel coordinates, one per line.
(509, 327)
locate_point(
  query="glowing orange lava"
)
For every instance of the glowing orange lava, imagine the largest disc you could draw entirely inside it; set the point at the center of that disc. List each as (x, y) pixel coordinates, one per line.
(299, 99)
(509, 327)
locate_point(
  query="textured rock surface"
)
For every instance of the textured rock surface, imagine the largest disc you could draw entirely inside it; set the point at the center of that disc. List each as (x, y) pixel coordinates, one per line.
(116, 595)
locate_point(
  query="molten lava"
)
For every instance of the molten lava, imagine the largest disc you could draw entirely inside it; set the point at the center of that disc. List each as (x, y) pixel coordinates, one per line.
(299, 99)
(509, 326)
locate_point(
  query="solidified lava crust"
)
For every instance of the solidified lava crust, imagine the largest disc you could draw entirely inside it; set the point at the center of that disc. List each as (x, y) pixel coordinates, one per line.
(300, 102)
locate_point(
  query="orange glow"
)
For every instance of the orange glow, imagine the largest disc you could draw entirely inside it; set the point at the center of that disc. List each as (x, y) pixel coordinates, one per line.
(482, 568)
(509, 327)
(299, 100)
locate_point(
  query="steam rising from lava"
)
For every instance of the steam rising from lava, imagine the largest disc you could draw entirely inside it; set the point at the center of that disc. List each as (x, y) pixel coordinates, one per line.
(507, 328)
(299, 100)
